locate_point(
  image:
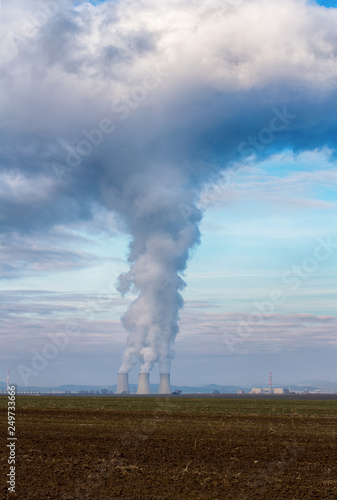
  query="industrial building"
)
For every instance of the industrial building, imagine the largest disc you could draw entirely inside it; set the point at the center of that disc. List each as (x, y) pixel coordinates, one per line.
(266, 390)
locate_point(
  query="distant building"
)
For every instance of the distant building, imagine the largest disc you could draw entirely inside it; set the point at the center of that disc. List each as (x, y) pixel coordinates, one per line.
(256, 390)
(280, 390)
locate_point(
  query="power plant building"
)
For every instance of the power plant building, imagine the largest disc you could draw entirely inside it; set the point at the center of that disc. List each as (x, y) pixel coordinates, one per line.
(143, 384)
(123, 384)
(164, 384)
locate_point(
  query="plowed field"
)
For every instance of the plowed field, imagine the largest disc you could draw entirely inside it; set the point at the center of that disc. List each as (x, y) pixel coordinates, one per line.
(164, 449)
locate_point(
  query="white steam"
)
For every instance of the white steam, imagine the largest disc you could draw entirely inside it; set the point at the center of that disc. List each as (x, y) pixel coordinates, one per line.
(159, 251)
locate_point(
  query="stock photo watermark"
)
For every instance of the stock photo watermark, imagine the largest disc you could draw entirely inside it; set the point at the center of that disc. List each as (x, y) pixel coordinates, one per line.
(28, 24)
(293, 278)
(60, 341)
(40, 359)
(93, 138)
(11, 445)
(278, 123)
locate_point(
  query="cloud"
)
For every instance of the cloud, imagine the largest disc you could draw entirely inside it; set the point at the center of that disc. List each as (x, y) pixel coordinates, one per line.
(216, 73)
(30, 317)
(287, 180)
(232, 332)
(31, 255)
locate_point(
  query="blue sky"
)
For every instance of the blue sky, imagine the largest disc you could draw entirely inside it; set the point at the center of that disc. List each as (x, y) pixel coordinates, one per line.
(269, 218)
(327, 3)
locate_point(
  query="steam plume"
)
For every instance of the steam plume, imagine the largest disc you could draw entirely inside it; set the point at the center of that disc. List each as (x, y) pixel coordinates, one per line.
(159, 251)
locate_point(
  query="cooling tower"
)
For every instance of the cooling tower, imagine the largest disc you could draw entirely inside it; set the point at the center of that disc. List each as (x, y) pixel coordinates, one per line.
(123, 384)
(143, 384)
(164, 384)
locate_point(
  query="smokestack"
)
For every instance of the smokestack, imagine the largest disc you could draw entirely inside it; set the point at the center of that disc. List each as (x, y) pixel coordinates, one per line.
(123, 384)
(270, 382)
(143, 384)
(164, 384)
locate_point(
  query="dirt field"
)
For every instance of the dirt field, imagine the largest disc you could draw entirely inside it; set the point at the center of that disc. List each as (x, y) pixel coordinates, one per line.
(163, 448)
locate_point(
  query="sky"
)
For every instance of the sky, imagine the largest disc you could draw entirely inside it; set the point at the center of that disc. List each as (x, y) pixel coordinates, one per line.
(121, 116)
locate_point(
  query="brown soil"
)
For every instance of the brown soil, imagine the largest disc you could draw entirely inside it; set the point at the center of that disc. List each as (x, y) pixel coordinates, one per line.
(103, 454)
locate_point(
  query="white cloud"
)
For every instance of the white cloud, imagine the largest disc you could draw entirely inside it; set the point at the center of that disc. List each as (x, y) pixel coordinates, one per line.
(211, 332)
(297, 182)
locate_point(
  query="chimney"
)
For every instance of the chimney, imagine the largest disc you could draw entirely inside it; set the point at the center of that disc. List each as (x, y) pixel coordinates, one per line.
(164, 384)
(143, 384)
(123, 384)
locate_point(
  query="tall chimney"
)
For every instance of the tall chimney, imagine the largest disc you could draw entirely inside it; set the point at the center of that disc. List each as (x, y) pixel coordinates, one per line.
(123, 384)
(143, 384)
(164, 384)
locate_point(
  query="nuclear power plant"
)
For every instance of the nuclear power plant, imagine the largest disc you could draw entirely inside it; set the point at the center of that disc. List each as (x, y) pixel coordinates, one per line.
(123, 383)
(164, 384)
(143, 384)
